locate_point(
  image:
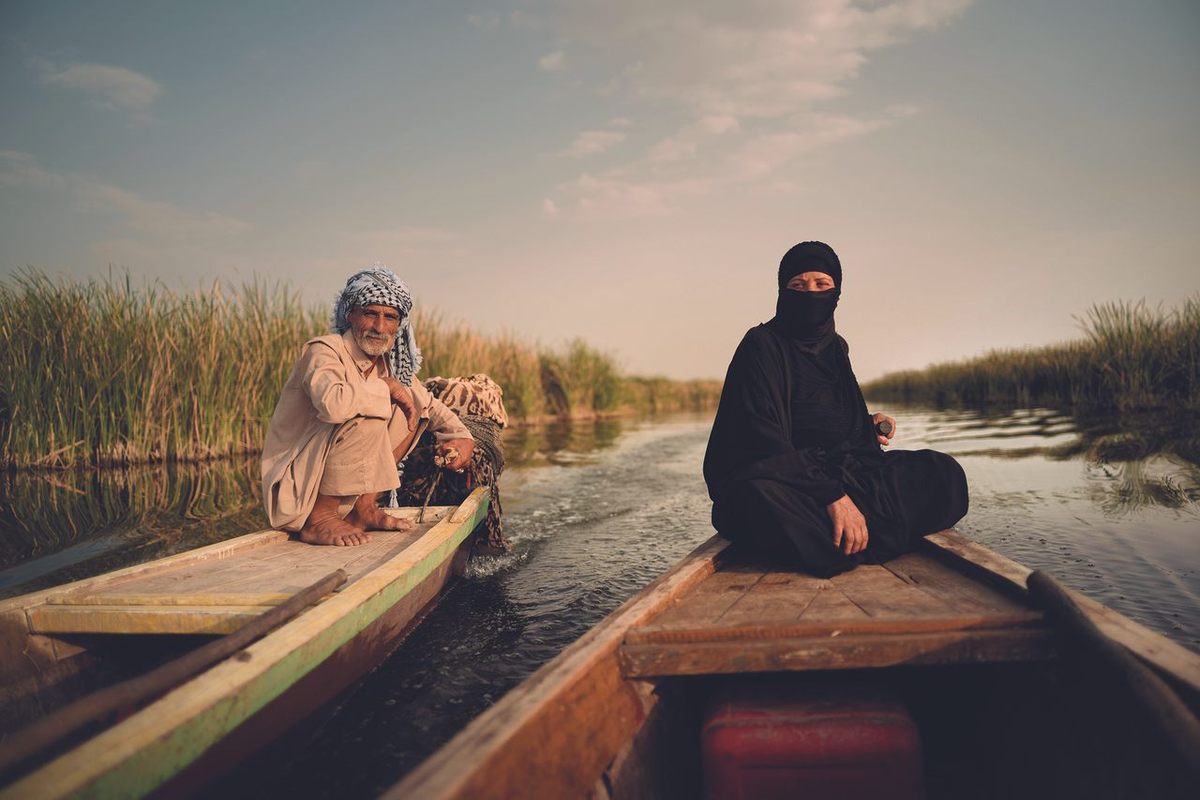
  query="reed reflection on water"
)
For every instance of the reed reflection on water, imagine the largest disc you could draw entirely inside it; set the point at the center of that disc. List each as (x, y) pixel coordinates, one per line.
(63, 526)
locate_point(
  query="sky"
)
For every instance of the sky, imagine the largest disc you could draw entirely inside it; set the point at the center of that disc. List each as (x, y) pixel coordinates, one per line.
(625, 172)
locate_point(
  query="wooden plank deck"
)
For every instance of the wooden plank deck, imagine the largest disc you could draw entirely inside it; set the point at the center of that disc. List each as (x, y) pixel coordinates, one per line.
(750, 617)
(217, 595)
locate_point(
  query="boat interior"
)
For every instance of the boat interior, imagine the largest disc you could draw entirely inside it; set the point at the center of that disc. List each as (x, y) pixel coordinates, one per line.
(1002, 707)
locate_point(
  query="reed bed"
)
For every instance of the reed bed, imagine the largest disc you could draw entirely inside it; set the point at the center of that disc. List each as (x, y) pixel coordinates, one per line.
(659, 395)
(1131, 358)
(105, 373)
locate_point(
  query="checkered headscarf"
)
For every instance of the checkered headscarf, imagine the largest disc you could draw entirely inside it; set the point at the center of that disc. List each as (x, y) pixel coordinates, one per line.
(378, 285)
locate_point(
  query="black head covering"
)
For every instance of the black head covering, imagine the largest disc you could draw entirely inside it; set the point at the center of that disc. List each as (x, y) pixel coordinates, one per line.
(807, 317)
(810, 257)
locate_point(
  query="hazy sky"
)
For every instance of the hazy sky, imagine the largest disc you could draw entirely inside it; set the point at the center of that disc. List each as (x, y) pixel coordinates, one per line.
(628, 172)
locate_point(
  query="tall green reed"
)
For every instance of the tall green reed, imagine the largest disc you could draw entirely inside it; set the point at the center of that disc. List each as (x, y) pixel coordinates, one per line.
(1131, 358)
(103, 372)
(579, 379)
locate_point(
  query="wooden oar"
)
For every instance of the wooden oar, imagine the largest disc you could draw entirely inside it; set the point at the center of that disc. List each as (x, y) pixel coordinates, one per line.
(1165, 710)
(50, 729)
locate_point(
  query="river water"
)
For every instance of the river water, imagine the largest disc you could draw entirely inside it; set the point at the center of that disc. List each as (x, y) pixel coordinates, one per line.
(594, 512)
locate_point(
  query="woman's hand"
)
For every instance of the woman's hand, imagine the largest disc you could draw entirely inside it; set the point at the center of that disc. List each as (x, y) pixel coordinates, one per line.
(849, 525)
(878, 418)
(402, 396)
(455, 454)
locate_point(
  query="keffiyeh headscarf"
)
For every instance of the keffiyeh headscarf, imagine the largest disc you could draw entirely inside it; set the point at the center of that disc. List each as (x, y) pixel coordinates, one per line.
(378, 285)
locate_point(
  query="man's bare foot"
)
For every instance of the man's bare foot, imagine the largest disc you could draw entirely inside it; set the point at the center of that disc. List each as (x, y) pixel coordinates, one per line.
(369, 516)
(333, 531)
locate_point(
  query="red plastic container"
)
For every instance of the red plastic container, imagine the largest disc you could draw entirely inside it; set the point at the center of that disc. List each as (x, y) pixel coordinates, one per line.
(810, 741)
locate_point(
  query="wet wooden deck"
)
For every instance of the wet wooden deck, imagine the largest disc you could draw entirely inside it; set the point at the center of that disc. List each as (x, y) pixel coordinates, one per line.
(916, 609)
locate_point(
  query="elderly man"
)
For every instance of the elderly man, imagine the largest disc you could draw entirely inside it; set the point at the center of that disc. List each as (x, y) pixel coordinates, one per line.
(348, 414)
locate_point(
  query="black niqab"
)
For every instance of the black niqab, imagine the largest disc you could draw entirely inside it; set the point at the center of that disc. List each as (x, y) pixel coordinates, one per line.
(792, 435)
(807, 317)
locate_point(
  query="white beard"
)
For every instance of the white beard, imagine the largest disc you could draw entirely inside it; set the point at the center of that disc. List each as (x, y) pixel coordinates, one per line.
(374, 347)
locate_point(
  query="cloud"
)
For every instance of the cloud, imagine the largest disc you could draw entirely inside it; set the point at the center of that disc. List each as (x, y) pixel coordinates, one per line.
(107, 85)
(762, 58)
(395, 246)
(487, 22)
(762, 155)
(591, 142)
(615, 194)
(672, 148)
(750, 86)
(720, 123)
(552, 62)
(155, 219)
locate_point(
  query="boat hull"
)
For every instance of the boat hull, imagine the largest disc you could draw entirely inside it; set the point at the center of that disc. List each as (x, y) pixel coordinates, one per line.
(350, 662)
(618, 713)
(320, 651)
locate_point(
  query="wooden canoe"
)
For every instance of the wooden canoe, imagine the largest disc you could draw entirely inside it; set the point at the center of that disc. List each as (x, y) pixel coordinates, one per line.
(1004, 707)
(63, 641)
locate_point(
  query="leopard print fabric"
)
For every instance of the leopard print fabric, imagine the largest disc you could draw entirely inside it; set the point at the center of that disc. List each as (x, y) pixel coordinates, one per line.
(475, 395)
(477, 402)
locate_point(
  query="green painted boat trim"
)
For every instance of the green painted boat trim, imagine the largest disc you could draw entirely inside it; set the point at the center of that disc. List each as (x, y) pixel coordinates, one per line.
(171, 751)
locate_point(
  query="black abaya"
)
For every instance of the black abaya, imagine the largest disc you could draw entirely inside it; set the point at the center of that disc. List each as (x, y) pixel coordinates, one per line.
(791, 436)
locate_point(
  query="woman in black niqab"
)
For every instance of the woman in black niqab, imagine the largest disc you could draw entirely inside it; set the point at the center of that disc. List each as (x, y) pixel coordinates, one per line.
(794, 464)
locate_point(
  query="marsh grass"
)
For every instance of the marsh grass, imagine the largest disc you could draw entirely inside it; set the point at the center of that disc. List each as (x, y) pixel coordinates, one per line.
(1131, 358)
(105, 373)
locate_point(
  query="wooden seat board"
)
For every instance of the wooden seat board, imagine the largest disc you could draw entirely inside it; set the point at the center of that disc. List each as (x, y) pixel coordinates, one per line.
(850, 651)
(937, 579)
(917, 596)
(897, 602)
(280, 569)
(214, 596)
(867, 578)
(776, 597)
(710, 599)
(208, 620)
(832, 605)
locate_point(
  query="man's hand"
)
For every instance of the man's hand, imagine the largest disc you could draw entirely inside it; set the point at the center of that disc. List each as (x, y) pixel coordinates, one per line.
(849, 525)
(402, 396)
(455, 454)
(878, 418)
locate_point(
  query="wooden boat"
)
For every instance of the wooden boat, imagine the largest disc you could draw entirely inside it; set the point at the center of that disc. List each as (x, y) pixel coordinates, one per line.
(1003, 705)
(70, 639)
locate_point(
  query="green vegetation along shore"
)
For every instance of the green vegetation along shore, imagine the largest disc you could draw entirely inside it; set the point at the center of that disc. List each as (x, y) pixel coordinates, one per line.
(104, 372)
(1130, 359)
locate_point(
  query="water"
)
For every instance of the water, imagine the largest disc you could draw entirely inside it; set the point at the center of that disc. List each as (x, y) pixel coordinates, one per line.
(595, 512)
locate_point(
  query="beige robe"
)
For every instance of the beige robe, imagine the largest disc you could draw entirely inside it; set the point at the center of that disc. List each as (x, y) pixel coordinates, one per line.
(325, 396)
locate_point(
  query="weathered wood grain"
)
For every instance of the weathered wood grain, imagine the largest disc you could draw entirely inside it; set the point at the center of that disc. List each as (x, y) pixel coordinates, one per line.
(776, 597)
(948, 585)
